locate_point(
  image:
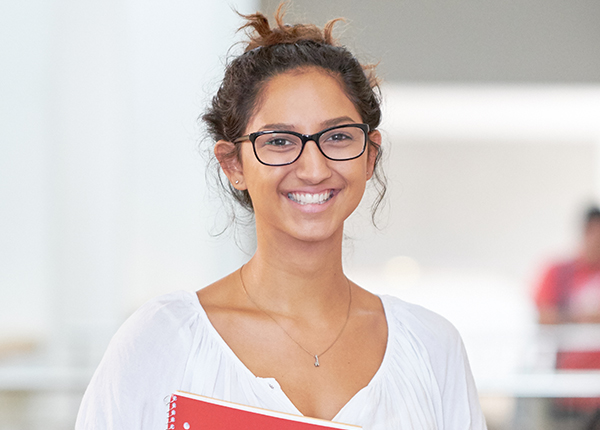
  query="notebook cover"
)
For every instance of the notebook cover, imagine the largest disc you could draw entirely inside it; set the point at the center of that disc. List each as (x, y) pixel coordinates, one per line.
(194, 412)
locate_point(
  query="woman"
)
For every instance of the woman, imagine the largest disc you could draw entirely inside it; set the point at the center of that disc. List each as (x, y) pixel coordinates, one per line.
(295, 125)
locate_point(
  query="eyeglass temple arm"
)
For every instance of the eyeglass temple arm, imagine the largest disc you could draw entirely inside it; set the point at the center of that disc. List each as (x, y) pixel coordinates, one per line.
(241, 139)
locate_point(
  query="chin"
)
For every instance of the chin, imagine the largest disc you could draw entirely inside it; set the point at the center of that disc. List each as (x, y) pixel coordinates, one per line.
(318, 233)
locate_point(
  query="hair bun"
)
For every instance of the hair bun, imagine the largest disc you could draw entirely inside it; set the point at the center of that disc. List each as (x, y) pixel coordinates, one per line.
(262, 35)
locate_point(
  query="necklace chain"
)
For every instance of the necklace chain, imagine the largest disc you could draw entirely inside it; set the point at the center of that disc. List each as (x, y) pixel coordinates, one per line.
(316, 356)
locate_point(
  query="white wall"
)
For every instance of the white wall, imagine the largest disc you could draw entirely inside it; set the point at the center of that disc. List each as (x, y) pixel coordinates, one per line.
(102, 192)
(24, 68)
(488, 177)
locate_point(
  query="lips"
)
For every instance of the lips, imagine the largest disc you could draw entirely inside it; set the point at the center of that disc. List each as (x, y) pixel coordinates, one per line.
(311, 199)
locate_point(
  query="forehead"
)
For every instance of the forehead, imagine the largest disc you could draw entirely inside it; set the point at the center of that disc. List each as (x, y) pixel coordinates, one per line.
(302, 98)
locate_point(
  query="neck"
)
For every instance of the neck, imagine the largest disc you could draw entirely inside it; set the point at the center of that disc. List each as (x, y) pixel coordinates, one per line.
(293, 276)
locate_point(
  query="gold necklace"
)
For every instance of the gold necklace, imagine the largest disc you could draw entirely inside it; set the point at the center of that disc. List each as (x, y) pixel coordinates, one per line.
(316, 356)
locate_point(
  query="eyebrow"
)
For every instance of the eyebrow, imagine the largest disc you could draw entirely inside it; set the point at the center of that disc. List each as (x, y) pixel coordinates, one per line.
(325, 124)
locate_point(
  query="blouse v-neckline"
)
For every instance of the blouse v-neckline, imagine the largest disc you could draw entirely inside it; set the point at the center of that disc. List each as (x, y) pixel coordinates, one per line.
(240, 364)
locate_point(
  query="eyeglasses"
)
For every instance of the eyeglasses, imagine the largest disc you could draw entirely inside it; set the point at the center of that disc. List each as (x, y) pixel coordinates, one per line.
(279, 148)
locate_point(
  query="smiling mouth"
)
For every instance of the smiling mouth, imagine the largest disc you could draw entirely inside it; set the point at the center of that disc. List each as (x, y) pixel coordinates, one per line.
(310, 199)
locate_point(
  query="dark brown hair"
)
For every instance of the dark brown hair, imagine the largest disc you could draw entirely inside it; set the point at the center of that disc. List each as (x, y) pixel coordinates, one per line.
(272, 51)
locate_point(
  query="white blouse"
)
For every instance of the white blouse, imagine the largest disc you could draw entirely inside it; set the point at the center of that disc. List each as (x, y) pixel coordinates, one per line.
(424, 381)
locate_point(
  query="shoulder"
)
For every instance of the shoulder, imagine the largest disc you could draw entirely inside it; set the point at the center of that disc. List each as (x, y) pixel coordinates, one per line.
(173, 307)
(171, 316)
(430, 327)
(427, 337)
(145, 362)
(155, 339)
(160, 332)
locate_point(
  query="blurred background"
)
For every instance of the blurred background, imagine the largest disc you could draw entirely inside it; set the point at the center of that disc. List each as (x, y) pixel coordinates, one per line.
(492, 139)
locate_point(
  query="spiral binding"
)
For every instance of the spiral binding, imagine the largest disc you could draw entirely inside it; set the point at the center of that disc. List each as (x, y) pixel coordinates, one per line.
(172, 413)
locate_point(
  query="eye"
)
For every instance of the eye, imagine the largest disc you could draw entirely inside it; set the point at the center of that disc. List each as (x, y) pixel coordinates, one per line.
(339, 136)
(278, 142)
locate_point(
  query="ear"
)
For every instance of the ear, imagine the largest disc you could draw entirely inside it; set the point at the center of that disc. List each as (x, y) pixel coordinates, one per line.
(375, 137)
(230, 163)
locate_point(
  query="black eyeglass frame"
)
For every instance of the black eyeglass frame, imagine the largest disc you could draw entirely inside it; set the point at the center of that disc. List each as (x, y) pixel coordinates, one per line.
(305, 138)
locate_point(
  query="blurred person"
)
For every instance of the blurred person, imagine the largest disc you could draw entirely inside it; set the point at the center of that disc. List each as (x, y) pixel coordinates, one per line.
(569, 293)
(570, 290)
(294, 132)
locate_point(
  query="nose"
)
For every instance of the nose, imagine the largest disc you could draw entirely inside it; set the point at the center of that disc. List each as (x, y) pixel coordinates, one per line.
(312, 166)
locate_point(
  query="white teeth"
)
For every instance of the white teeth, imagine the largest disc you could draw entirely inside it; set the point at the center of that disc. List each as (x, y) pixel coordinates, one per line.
(310, 199)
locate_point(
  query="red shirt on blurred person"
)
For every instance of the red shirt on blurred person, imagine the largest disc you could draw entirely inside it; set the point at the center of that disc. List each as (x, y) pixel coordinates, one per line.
(569, 293)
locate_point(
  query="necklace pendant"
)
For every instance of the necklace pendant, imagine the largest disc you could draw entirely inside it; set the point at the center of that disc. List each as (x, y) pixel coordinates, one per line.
(316, 361)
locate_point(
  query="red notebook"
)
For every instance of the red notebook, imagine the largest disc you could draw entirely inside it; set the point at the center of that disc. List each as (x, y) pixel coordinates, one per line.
(193, 412)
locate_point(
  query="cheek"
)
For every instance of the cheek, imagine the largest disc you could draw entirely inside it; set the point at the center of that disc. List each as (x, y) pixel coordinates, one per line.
(356, 176)
(251, 167)
(360, 169)
(262, 181)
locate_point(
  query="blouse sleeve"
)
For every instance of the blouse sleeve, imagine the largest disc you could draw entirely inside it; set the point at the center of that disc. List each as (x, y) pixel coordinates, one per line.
(462, 409)
(459, 407)
(143, 365)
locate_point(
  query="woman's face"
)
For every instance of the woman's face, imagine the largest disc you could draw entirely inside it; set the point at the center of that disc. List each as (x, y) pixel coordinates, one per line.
(310, 198)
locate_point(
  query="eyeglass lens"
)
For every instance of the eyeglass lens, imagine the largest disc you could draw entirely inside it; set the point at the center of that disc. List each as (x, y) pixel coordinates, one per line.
(342, 143)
